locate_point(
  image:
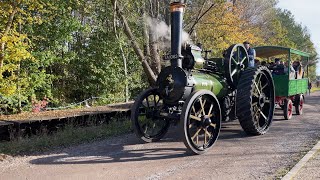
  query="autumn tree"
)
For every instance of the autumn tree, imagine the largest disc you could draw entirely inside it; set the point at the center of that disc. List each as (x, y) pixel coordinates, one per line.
(222, 27)
(73, 50)
(141, 28)
(15, 45)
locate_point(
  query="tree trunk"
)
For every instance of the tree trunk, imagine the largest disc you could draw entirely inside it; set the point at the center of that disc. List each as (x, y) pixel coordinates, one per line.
(153, 40)
(146, 37)
(1, 55)
(200, 16)
(155, 57)
(4, 33)
(234, 2)
(19, 89)
(127, 30)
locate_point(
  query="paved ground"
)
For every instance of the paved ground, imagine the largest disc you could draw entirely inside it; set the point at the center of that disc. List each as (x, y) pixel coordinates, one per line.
(235, 156)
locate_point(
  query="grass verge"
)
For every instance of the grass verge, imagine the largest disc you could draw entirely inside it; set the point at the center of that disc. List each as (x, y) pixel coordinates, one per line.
(314, 89)
(64, 138)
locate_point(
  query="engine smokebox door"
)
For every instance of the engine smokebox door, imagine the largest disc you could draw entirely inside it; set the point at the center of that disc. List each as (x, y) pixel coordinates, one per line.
(172, 82)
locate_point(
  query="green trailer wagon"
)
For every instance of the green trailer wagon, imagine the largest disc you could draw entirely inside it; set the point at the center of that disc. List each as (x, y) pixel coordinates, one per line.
(290, 87)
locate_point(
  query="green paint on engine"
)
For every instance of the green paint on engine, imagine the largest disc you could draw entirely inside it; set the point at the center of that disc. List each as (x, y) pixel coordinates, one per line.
(199, 61)
(211, 82)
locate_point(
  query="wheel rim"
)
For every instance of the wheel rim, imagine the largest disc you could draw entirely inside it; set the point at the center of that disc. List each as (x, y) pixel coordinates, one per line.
(290, 107)
(237, 59)
(262, 101)
(203, 123)
(148, 119)
(301, 104)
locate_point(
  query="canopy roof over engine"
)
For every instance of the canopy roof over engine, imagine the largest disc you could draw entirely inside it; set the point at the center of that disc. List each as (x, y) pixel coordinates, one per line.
(270, 51)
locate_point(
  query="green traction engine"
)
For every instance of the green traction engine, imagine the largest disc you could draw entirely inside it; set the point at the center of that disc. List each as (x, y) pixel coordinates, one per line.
(198, 93)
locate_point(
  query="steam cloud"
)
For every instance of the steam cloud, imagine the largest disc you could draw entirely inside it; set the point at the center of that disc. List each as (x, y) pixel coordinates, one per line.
(162, 32)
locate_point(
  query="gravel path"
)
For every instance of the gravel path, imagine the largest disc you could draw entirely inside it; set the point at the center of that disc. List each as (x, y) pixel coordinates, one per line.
(235, 155)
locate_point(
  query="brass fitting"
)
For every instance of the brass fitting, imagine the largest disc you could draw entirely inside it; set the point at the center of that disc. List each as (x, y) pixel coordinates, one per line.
(177, 7)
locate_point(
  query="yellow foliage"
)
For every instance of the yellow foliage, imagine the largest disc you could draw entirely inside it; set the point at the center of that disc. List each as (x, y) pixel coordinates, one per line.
(279, 36)
(7, 88)
(16, 44)
(222, 27)
(16, 48)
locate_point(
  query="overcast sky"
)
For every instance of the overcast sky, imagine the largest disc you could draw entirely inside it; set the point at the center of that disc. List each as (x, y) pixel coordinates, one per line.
(306, 12)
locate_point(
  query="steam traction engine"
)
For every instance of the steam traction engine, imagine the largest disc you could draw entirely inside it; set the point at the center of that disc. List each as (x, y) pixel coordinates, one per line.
(198, 93)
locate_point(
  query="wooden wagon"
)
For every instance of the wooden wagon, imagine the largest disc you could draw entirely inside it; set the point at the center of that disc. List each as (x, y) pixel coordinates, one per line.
(290, 87)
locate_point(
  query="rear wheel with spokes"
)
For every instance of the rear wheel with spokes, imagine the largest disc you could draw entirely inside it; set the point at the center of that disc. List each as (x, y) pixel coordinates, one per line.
(201, 121)
(145, 116)
(255, 100)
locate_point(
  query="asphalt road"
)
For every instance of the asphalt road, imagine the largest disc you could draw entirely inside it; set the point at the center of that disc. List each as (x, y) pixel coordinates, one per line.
(235, 155)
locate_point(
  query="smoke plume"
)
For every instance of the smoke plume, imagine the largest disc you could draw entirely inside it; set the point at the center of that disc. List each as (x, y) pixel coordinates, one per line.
(162, 32)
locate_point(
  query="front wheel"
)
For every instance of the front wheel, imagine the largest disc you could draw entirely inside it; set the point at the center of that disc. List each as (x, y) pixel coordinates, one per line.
(145, 116)
(201, 121)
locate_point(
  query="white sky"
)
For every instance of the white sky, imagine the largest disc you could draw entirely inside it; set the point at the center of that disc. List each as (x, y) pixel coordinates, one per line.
(306, 12)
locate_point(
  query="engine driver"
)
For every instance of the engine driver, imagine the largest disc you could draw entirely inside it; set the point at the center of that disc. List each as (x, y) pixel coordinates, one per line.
(251, 53)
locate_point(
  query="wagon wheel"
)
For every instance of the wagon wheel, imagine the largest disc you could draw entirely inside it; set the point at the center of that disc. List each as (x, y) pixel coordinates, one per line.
(288, 109)
(255, 100)
(236, 59)
(299, 104)
(201, 121)
(145, 116)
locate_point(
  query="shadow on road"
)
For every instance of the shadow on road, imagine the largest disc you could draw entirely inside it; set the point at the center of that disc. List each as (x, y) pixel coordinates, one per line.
(131, 149)
(117, 156)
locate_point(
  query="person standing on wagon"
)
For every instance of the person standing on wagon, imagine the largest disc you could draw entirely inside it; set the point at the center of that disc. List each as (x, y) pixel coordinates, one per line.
(251, 53)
